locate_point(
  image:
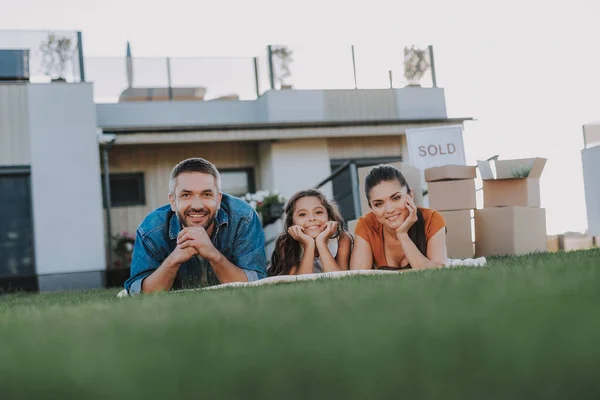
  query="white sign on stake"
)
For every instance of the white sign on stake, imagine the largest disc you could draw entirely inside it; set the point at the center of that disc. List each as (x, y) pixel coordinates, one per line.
(435, 146)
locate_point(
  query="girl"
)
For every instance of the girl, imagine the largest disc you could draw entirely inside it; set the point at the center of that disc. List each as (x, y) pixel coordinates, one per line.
(313, 240)
(397, 234)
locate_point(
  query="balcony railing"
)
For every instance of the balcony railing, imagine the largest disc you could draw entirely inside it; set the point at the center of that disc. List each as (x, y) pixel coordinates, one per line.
(280, 67)
(59, 55)
(53, 55)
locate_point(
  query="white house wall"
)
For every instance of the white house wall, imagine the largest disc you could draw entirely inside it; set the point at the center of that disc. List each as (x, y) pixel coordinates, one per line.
(65, 180)
(353, 105)
(14, 125)
(591, 166)
(300, 164)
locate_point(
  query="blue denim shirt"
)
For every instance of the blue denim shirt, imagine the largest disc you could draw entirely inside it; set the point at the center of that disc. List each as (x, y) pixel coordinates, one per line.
(238, 236)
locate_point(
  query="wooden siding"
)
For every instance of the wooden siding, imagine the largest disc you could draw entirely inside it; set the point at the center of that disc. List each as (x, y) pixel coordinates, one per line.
(366, 147)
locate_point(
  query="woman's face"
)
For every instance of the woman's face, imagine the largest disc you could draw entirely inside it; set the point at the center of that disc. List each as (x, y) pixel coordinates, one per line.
(388, 202)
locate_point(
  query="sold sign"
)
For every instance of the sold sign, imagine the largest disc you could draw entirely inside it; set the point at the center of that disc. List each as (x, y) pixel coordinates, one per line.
(435, 146)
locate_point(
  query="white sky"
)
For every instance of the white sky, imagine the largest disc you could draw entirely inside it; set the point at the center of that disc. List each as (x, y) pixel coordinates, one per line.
(528, 71)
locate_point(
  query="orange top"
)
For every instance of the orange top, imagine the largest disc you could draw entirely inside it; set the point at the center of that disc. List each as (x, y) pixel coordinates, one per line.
(371, 230)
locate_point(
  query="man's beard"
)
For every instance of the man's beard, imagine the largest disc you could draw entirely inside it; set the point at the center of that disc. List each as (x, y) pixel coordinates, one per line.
(206, 225)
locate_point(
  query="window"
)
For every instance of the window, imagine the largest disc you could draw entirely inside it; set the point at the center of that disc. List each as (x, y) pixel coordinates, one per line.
(127, 190)
(16, 228)
(237, 182)
(342, 184)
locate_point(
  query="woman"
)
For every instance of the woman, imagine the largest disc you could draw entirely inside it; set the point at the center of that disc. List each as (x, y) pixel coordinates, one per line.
(396, 234)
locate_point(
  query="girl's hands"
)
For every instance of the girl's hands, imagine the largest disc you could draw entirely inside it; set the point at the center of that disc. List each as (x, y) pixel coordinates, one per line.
(328, 232)
(297, 233)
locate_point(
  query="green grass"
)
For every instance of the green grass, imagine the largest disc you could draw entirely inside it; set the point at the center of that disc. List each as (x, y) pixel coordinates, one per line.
(524, 327)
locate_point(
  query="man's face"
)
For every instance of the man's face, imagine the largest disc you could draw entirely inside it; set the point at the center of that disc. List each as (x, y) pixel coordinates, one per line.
(196, 199)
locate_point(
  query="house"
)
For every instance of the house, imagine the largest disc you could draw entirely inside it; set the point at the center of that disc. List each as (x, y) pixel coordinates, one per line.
(51, 162)
(590, 160)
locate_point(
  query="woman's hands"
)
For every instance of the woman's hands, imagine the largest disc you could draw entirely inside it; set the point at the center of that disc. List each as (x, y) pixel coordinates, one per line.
(410, 220)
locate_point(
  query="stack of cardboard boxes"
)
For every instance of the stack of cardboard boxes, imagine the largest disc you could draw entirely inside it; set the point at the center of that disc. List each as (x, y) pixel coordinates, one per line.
(451, 190)
(511, 221)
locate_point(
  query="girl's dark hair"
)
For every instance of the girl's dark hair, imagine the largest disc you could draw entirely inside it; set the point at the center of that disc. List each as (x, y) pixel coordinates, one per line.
(386, 173)
(287, 250)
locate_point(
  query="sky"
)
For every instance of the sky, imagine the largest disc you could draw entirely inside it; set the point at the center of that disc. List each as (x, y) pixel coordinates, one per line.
(527, 71)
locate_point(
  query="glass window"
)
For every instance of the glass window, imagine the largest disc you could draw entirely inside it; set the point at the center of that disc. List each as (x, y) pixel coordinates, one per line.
(127, 189)
(16, 228)
(237, 182)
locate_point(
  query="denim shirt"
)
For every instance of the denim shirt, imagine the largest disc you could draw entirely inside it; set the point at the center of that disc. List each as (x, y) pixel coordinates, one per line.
(238, 236)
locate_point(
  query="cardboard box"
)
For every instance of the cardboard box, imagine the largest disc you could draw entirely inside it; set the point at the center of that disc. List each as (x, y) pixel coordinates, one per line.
(452, 195)
(510, 230)
(450, 172)
(459, 234)
(411, 174)
(553, 244)
(511, 182)
(576, 242)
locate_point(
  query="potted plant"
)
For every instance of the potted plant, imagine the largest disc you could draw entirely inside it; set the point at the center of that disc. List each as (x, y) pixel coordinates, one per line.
(123, 248)
(283, 58)
(416, 63)
(56, 53)
(269, 205)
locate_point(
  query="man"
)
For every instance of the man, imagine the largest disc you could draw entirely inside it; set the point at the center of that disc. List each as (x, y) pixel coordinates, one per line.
(202, 238)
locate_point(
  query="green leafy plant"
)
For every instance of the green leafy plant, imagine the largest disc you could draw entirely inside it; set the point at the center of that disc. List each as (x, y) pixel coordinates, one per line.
(520, 172)
(283, 59)
(416, 63)
(56, 53)
(123, 248)
(268, 204)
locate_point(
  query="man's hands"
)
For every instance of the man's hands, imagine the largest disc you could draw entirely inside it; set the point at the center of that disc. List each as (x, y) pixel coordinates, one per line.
(195, 241)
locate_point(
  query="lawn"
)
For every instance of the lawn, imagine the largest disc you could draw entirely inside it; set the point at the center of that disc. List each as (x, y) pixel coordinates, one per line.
(523, 327)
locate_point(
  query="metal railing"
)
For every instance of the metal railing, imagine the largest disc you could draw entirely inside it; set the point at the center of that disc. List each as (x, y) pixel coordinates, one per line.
(59, 55)
(53, 55)
(149, 79)
(354, 191)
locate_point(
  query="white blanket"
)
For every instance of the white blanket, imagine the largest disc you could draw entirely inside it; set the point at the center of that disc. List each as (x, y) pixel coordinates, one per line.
(469, 262)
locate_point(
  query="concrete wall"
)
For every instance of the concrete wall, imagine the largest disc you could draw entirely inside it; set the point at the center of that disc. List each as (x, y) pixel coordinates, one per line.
(14, 125)
(279, 106)
(65, 180)
(300, 164)
(421, 103)
(591, 167)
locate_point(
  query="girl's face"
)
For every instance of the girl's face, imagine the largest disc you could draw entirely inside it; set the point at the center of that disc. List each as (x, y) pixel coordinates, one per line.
(388, 202)
(310, 214)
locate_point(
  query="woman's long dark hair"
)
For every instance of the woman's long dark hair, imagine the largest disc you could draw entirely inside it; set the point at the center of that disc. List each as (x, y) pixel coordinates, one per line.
(386, 173)
(287, 250)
